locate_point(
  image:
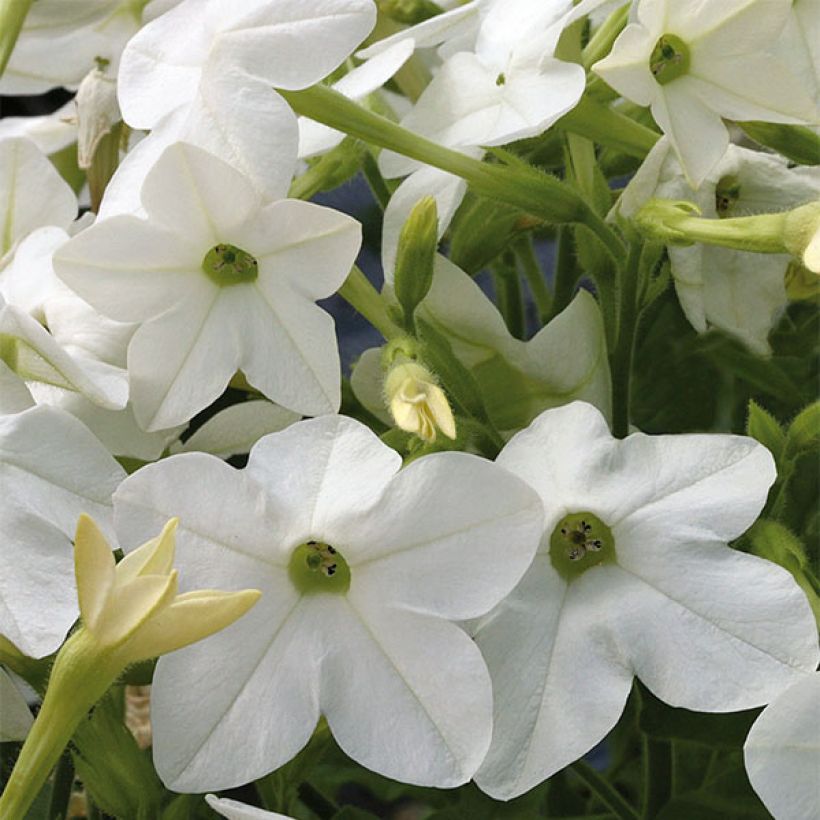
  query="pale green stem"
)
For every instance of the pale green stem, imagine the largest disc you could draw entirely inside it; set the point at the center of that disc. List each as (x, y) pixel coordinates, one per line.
(608, 127)
(601, 41)
(81, 676)
(535, 193)
(365, 299)
(12, 16)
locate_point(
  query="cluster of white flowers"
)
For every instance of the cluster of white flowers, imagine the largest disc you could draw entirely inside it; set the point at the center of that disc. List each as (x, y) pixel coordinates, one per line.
(476, 612)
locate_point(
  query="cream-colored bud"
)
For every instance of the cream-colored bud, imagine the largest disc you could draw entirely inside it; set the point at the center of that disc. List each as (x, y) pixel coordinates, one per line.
(97, 113)
(418, 405)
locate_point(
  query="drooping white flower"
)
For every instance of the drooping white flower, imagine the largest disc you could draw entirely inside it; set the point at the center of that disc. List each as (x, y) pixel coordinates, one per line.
(51, 470)
(565, 360)
(782, 752)
(204, 73)
(634, 578)
(218, 283)
(362, 569)
(693, 67)
(740, 293)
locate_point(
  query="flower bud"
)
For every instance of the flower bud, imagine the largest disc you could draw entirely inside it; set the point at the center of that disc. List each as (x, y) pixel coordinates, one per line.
(418, 405)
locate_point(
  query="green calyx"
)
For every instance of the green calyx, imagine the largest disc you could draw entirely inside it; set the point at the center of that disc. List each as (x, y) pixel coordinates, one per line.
(228, 265)
(578, 542)
(317, 567)
(669, 59)
(727, 194)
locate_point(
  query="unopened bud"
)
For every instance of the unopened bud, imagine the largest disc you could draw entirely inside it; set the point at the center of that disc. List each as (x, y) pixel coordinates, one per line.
(415, 256)
(97, 113)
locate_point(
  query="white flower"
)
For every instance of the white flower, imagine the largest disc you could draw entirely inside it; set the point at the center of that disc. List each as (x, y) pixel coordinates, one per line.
(634, 578)
(799, 44)
(49, 132)
(51, 470)
(565, 360)
(62, 40)
(362, 568)
(782, 752)
(694, 66)
(204, 73)
(741, 293)
(218, 283)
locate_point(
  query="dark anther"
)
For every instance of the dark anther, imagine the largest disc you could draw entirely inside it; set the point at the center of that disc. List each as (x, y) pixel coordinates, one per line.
(331, 550)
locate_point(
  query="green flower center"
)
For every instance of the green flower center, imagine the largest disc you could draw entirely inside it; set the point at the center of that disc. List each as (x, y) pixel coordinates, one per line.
(318, 567)
(579, 542)
(228, 265)
(669, 59)
(727, 193)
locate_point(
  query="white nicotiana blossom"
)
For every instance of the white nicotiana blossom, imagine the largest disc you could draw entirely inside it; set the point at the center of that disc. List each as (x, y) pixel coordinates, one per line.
(204, 73)
(782, 752)
(218, 283)
(62, 40)
(51, 470)
(15, 716)
(363, 568)
(741, 293)
(565, 360)
(633, 578)
(799, 45)
(692, 69)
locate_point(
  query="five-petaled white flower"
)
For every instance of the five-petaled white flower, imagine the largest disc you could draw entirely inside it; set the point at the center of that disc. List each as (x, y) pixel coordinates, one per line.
(219, 283)
(362, 569)
(633, 577)
(693, 68)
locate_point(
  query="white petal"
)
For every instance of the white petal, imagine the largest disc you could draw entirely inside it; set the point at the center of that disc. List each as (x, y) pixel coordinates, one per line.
(237, 428)
(50, 133)
(456, 24)
(196, 195)
(308, 468)
(374, 73)
(559, 681)
(182, 361)
(32, 193)
(626, 68)
(293, 43)
(697, 134)
(234, 810)
(15, 716)
(310, 247)
(264, 704)
(708, 628)
(51, 470)
(367, 382)
(447, 189)
(290, 350)
(451, 535)
(161, 65)
(782, 752)
(14, 395)
(406, 696)
(123, 254)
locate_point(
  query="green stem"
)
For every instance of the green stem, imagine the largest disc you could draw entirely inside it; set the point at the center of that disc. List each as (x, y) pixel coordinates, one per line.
(80, 677)
(365, 299)
(12, 16)
(608, 127)
(508, 295)
(621, 360)
(532, 191)
(658, 774)
(536, 280)
(317, 802)
(375, 180)
(604, 791)
(600, 43)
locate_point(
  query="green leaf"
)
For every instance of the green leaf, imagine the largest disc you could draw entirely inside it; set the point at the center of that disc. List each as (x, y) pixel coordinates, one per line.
(727, 797)
(764, 427)
(795, 142)
(804, 431)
